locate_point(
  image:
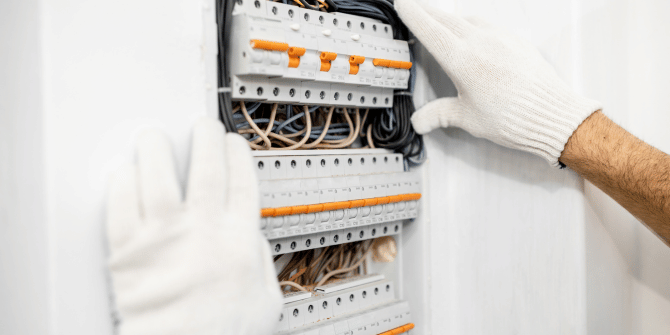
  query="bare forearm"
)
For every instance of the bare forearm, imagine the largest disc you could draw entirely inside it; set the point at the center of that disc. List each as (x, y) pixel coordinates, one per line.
(632, 172)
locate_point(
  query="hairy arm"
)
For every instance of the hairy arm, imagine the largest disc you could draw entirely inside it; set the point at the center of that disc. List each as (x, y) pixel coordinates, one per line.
(632, 172)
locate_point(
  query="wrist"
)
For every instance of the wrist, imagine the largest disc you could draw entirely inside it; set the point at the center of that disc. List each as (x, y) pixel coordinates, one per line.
(575, 152)
(546, 118)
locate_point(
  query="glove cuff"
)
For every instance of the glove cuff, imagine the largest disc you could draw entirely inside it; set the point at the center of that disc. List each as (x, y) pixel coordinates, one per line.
(548, 118)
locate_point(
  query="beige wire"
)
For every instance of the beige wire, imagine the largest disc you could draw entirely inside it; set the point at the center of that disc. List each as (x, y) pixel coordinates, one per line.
(351, 129)
(323, 133)
(365, 117)
(353, 267)
(290, 283)
(253, 125)
(259, 132)
(384, 249)
(273, 114)
(352, 134)
(283, 138)
(268, 137)
(294, 134)
(308, 126)
(372, 145)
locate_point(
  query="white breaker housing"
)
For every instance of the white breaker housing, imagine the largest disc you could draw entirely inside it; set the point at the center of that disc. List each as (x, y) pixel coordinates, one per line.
(293, 182)
(268, 71)
(364, 305)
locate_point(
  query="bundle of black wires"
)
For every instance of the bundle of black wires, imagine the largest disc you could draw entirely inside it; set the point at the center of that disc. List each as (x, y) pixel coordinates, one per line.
(224, 13)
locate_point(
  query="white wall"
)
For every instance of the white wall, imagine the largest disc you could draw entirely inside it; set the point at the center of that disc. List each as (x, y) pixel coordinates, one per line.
(625, 52)
(518, 247)
(496, 217)
(24, 267)
(508, 230)
(111, 68)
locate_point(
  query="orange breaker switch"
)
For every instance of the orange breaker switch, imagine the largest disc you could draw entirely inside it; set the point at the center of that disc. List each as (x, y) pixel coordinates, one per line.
(269, 45)
(331, 206)
(294, 54)
(326, 58)
(354, 61)
(395, 64)
(265, 212)
(408, 327)
(380, 62)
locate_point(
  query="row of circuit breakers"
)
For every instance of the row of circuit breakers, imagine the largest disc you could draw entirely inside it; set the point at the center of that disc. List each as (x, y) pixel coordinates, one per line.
(314, 200)
(287, 54)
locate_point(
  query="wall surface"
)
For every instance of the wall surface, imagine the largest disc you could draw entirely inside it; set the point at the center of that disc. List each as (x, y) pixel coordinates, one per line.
(506, 217)
(24, 265)
(517, 247)
(508, 230)
(111, 69)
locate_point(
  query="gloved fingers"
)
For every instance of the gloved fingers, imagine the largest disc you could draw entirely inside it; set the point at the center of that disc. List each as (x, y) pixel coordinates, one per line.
(438, 113)
(456, 24)
(273, 300)
(160, 195)
(479, 22)
(123, 207)
(434, 36)
(207, 174)
(269, 272)
(242, 198)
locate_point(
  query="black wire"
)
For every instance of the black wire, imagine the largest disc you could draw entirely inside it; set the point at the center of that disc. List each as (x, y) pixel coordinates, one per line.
(224, 10)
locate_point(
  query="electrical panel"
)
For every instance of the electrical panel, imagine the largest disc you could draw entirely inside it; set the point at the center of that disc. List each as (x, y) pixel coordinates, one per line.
(312, 201)
(315, 199)
(333, 218)
(363, 307)
(288, 54)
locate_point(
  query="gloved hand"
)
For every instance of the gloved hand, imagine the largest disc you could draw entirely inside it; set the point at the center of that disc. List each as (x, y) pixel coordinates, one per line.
(507, 92)
(198, 266)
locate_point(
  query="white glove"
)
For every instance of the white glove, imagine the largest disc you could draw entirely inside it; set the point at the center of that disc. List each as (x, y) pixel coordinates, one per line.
(199, 266)
(507, 92)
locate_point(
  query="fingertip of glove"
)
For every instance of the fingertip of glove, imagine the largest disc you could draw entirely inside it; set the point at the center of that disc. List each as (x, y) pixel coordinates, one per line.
(151, 136)
(208, 124)
(421, 123)
(403, 7)
(125, 171)
(237, 141)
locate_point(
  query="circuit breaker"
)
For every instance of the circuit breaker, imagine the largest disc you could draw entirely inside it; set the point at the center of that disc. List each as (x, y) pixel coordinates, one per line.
(315, 199)
(287, 54)
(333, 218)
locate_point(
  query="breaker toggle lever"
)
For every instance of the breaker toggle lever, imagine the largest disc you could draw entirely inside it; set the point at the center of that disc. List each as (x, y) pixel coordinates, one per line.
(294, 54)
(394, 64)
(326, 58)
(354, 62)
(269, 45)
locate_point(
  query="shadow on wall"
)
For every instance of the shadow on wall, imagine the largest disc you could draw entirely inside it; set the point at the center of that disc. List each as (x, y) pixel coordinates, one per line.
(627, 74)
(476, 152)
(484, 155)
(647, 257)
